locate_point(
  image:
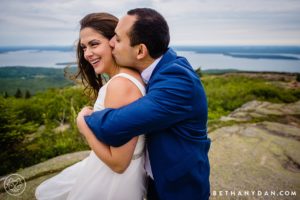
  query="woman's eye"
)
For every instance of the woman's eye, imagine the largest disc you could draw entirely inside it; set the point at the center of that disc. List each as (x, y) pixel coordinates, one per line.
(94, 44)
(83, 48)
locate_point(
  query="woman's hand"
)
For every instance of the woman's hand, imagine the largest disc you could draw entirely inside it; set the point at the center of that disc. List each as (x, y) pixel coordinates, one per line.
(81, 125)
(87, 110)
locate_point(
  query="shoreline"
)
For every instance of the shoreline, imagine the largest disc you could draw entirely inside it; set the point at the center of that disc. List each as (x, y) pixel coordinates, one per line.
(204, 71)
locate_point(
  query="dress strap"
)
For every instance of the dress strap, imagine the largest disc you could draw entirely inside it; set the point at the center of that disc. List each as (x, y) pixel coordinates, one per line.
(134, 80)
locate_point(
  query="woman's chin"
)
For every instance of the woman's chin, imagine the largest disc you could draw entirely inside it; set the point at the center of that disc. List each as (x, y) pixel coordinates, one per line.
(98, 70)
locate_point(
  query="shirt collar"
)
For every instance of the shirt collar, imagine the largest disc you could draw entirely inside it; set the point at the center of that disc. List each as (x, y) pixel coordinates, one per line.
(146, 74)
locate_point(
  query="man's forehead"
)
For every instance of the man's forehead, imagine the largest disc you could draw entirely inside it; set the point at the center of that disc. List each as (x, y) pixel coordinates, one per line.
(125, 24)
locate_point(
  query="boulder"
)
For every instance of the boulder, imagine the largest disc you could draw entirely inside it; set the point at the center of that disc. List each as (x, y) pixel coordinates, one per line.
(263, 157)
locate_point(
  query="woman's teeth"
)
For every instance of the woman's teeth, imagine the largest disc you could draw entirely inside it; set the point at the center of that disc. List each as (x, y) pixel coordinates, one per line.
(95, 61)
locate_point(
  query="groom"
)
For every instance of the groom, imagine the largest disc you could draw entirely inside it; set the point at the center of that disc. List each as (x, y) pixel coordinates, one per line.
(173, 114)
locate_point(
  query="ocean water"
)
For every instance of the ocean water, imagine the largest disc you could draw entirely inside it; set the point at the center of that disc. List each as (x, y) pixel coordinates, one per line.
(257, 58)
(221, 61)
(37, 58)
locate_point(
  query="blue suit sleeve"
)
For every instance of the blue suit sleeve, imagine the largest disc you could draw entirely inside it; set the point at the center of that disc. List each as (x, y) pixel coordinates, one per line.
(166, 103)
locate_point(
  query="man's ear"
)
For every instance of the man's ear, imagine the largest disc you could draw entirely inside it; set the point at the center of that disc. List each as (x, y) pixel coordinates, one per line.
(142, 51)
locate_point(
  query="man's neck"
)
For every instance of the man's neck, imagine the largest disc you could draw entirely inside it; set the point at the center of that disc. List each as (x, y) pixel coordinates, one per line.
(144, 64)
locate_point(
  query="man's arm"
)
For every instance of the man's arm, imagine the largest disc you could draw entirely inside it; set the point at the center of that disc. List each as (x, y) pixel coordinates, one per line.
(167, 102)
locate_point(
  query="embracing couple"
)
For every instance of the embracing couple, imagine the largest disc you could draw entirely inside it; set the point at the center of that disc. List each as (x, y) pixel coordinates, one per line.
(148, 127)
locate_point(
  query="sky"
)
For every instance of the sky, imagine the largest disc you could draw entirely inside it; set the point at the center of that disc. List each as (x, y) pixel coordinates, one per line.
(191, 22)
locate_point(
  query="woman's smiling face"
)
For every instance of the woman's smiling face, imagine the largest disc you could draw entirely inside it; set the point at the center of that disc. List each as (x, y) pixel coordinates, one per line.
(96, 50)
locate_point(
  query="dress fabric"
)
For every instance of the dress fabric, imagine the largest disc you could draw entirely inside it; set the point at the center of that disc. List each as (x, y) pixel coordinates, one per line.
(92, 179)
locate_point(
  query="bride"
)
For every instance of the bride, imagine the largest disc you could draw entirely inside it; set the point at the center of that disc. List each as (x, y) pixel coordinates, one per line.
(108, 173)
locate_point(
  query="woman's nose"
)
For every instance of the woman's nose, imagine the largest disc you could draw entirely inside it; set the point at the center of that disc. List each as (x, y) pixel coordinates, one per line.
(88, 52)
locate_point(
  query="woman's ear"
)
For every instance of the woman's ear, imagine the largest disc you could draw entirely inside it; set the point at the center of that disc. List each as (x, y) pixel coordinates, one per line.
(142, 51)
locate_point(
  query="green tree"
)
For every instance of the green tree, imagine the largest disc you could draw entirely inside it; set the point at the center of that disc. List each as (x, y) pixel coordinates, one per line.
(18, 94)
(27, 94)
(199, 72)
(27, 126)
(11, 137)
(5, 95)
(298, 77)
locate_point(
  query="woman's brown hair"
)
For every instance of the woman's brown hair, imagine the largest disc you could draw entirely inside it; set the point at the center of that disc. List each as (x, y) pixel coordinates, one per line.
(105, 24)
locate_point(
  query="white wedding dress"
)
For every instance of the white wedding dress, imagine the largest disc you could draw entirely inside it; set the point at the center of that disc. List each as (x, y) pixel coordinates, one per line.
(91, 179)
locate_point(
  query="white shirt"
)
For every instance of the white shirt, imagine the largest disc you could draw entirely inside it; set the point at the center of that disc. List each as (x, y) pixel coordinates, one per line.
(146, 75)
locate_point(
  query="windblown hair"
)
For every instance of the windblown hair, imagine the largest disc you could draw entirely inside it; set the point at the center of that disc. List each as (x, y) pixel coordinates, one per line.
(104, 24)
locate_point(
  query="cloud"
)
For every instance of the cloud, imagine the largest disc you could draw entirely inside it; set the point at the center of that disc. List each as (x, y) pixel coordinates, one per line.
(190, 21)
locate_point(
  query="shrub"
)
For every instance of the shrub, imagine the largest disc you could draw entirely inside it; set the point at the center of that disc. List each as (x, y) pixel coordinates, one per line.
(226, 93)
(298, 77)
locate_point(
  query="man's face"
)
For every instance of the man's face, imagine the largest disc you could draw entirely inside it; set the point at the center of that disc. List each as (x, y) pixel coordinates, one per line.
(124, 54)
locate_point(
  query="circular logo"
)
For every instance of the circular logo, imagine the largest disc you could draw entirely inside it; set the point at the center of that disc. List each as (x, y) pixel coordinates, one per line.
(14, 184)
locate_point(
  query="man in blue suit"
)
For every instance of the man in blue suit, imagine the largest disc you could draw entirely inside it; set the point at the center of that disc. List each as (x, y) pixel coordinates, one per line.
(173, 113)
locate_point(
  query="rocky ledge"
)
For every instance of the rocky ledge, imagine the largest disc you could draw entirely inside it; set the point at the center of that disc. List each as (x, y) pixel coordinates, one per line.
(259, 152)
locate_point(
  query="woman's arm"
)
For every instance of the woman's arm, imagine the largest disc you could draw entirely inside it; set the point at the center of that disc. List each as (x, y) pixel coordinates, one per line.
(117, 159)
(120, 92)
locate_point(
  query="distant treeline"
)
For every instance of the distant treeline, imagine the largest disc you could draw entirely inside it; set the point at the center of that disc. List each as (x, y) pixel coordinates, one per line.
(261, 56)
(32, 79)
(241, 49)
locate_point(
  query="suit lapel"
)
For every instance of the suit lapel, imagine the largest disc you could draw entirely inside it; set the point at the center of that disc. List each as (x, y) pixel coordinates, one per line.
(169, 56)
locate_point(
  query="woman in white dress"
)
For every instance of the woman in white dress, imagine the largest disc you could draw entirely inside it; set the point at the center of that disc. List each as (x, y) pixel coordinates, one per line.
(108, 173)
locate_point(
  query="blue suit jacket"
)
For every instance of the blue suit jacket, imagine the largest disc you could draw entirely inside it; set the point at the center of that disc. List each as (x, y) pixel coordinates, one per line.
(173, 115)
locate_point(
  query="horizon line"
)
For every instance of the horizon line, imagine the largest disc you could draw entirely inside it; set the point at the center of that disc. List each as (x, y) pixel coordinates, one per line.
(172, 45)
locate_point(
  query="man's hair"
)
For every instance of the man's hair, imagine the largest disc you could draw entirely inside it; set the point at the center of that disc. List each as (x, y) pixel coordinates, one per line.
(150, 29)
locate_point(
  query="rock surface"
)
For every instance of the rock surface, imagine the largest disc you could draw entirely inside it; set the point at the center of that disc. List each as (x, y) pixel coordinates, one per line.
(262, 156)
(258, 109)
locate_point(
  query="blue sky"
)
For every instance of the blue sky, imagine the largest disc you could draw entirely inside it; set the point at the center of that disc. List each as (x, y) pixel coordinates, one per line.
(192, 22)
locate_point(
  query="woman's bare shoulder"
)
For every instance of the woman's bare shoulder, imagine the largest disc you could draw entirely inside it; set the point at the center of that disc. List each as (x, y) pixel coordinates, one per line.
(120, 92)
(133, 73)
